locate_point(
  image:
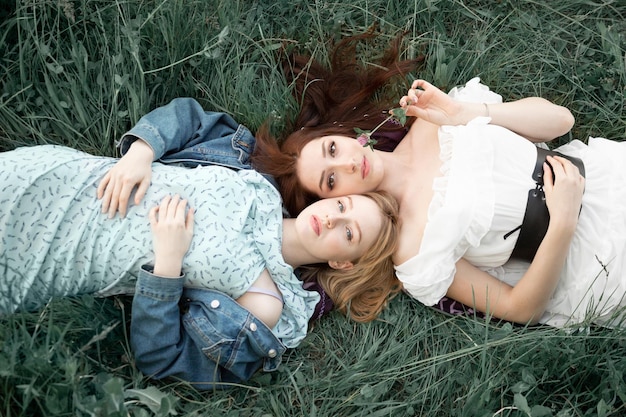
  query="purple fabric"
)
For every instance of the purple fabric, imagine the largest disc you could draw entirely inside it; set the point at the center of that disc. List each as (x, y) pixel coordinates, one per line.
(455, 308)
(387, 141)
(325, 305)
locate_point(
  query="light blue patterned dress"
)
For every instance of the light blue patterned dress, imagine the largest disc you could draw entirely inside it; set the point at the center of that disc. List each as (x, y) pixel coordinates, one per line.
(54, 240)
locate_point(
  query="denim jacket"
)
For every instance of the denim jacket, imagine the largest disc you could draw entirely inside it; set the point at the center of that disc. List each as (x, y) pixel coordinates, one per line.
(183, 133)
(197, 335)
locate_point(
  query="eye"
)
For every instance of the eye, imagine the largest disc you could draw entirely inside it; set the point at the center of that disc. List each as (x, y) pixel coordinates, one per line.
(332, 149)
(330, 182)
(342, 208)
(349, 234)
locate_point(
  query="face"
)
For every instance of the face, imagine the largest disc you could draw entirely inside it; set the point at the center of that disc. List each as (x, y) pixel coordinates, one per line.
(338, 165)
(339, 229)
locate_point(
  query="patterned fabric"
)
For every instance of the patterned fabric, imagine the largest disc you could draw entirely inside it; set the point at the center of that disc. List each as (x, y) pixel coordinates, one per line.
(55, 241)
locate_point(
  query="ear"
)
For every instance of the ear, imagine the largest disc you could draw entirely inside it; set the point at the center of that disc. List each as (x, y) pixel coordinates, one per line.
(341, 264)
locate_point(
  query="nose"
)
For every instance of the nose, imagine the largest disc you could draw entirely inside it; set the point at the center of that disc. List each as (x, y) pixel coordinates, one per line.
(330, 221)
(347, 165)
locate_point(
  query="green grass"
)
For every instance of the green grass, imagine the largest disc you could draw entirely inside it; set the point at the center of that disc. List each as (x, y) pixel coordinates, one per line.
(82, 72)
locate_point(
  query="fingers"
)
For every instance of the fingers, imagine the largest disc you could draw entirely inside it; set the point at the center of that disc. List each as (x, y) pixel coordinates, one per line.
(190, 219)
(115, 195)
(141, 191)
(423, 84)
(548, 176)
(104, 192)
(113, 199)
(563, 166)
(418, 88)
(411, 97)
(123, 197)
(152, 215)
(168, 207)
(119, 200)
(103, 185)
(172, 209)
(108, 191)
(563, 187)
(563, 171)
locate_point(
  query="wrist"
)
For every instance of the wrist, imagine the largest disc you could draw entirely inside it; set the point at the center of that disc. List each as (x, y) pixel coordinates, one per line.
(470, 111)
(562, 228)
(168, 268)
(487, 112)
(140, 149)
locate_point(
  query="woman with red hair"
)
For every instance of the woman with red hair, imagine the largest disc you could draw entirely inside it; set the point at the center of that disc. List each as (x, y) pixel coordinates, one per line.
(490, 217)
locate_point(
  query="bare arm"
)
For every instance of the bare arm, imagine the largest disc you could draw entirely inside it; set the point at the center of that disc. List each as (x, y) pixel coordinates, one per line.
(535, 118)
(526, 302)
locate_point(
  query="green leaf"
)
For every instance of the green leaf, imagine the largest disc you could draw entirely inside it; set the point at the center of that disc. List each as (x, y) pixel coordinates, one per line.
(520, 402)
(155, 399)
(520, 387)
(602, 408)
(540, 411)
(399, 114)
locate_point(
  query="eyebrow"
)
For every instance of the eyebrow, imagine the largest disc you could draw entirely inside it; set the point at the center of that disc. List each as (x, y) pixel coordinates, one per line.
(356, 224)
(324, 171)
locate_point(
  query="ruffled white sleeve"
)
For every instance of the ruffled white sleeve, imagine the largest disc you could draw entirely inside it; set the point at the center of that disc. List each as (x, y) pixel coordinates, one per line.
(475, 92)
(461, 210)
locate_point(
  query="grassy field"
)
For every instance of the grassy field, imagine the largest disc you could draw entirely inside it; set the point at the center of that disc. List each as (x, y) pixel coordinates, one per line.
(81, 72)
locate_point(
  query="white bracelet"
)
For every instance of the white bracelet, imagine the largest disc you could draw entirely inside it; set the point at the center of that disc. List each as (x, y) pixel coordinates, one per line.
(487, 109)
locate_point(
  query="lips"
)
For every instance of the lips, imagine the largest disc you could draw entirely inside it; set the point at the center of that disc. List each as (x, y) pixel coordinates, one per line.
(365, 168)
(316, 225)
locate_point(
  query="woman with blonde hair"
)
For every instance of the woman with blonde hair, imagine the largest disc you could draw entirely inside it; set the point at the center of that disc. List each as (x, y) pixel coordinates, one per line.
(215, 294)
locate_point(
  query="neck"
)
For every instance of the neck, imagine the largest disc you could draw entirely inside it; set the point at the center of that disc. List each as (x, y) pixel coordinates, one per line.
(413, 163)
(294, 252)
(396, 165)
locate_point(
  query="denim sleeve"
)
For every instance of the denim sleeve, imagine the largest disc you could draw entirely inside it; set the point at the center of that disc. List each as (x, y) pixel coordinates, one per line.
(160, 346)
(203, 344)
(179, 125)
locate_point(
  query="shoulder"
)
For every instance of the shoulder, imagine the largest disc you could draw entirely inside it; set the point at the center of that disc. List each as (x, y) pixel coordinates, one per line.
(414, 208)
(410, 238)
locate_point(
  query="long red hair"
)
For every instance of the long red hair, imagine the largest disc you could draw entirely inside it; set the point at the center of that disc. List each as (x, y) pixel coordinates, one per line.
(333, 102)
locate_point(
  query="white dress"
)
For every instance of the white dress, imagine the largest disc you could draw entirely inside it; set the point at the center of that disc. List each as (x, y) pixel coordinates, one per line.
(481, 196)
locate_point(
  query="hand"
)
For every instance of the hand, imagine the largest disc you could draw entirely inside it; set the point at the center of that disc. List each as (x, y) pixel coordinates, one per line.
(133, 170)
(172, 232)
(425, 101)
(563, 189)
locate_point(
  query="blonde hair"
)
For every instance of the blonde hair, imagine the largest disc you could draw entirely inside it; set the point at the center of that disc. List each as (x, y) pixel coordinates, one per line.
(363, 291)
